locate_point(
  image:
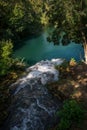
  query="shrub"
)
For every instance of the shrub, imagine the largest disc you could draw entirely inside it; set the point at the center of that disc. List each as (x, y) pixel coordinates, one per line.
(5, 56)
(72, 62)
(71, 113)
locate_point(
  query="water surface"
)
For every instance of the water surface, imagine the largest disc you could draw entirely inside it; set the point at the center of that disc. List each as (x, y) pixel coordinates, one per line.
(38, 48)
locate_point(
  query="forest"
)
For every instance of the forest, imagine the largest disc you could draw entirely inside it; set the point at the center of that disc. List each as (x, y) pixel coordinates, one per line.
(22, 18)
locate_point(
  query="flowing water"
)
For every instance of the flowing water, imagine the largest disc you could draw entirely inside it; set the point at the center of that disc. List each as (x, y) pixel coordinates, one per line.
(33, 107)
(38, 48)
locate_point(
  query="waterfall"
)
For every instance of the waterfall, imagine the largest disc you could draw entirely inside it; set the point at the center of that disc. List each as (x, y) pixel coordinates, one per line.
(33, 107)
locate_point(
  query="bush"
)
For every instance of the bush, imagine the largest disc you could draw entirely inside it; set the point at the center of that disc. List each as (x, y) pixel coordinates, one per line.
(5, 56)
(72, 62)
(71, 113)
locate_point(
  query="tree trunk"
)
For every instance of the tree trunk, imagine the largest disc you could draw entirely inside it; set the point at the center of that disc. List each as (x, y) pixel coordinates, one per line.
(85, 52)
(85, 46)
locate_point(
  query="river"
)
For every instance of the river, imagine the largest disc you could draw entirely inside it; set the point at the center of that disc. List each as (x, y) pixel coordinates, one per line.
(38, 48)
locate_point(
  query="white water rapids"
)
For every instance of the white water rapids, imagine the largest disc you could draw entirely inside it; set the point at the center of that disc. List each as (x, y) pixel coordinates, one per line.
(33, 108)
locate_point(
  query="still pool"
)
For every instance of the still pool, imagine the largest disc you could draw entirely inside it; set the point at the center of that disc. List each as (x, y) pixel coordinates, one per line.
(38, 48)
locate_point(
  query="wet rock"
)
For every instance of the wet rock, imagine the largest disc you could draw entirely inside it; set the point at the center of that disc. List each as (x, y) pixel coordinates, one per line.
(33, 108)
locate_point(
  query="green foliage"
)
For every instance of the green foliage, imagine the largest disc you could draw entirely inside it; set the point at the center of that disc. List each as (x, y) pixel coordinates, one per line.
(5, 56)
(19, 18)
(16, 20)
(71, 113)
(64, 124)
(72, 62)
(69, 17)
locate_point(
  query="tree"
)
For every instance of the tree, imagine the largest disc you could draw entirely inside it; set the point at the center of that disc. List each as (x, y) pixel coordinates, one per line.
(69, 17)
(5, 56)
(20, 18)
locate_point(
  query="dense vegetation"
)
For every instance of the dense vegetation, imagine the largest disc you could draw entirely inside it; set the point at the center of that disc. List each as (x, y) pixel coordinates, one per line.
(71, 113)
(19, 19)
(69, 17)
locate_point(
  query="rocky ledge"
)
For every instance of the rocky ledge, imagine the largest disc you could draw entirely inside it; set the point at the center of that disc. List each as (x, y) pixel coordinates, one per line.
(33, 108)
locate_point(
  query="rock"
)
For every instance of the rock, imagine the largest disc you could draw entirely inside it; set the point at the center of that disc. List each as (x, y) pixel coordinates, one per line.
(33, 108)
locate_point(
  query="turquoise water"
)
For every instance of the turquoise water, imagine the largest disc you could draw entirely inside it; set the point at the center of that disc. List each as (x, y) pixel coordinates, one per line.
(38, 48)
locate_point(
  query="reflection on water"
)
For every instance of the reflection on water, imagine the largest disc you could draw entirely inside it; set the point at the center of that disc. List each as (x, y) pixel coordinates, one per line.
(38, 48)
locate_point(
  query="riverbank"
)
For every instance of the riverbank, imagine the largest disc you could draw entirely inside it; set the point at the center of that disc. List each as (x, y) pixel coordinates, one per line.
(72, 84)
(5, 95)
